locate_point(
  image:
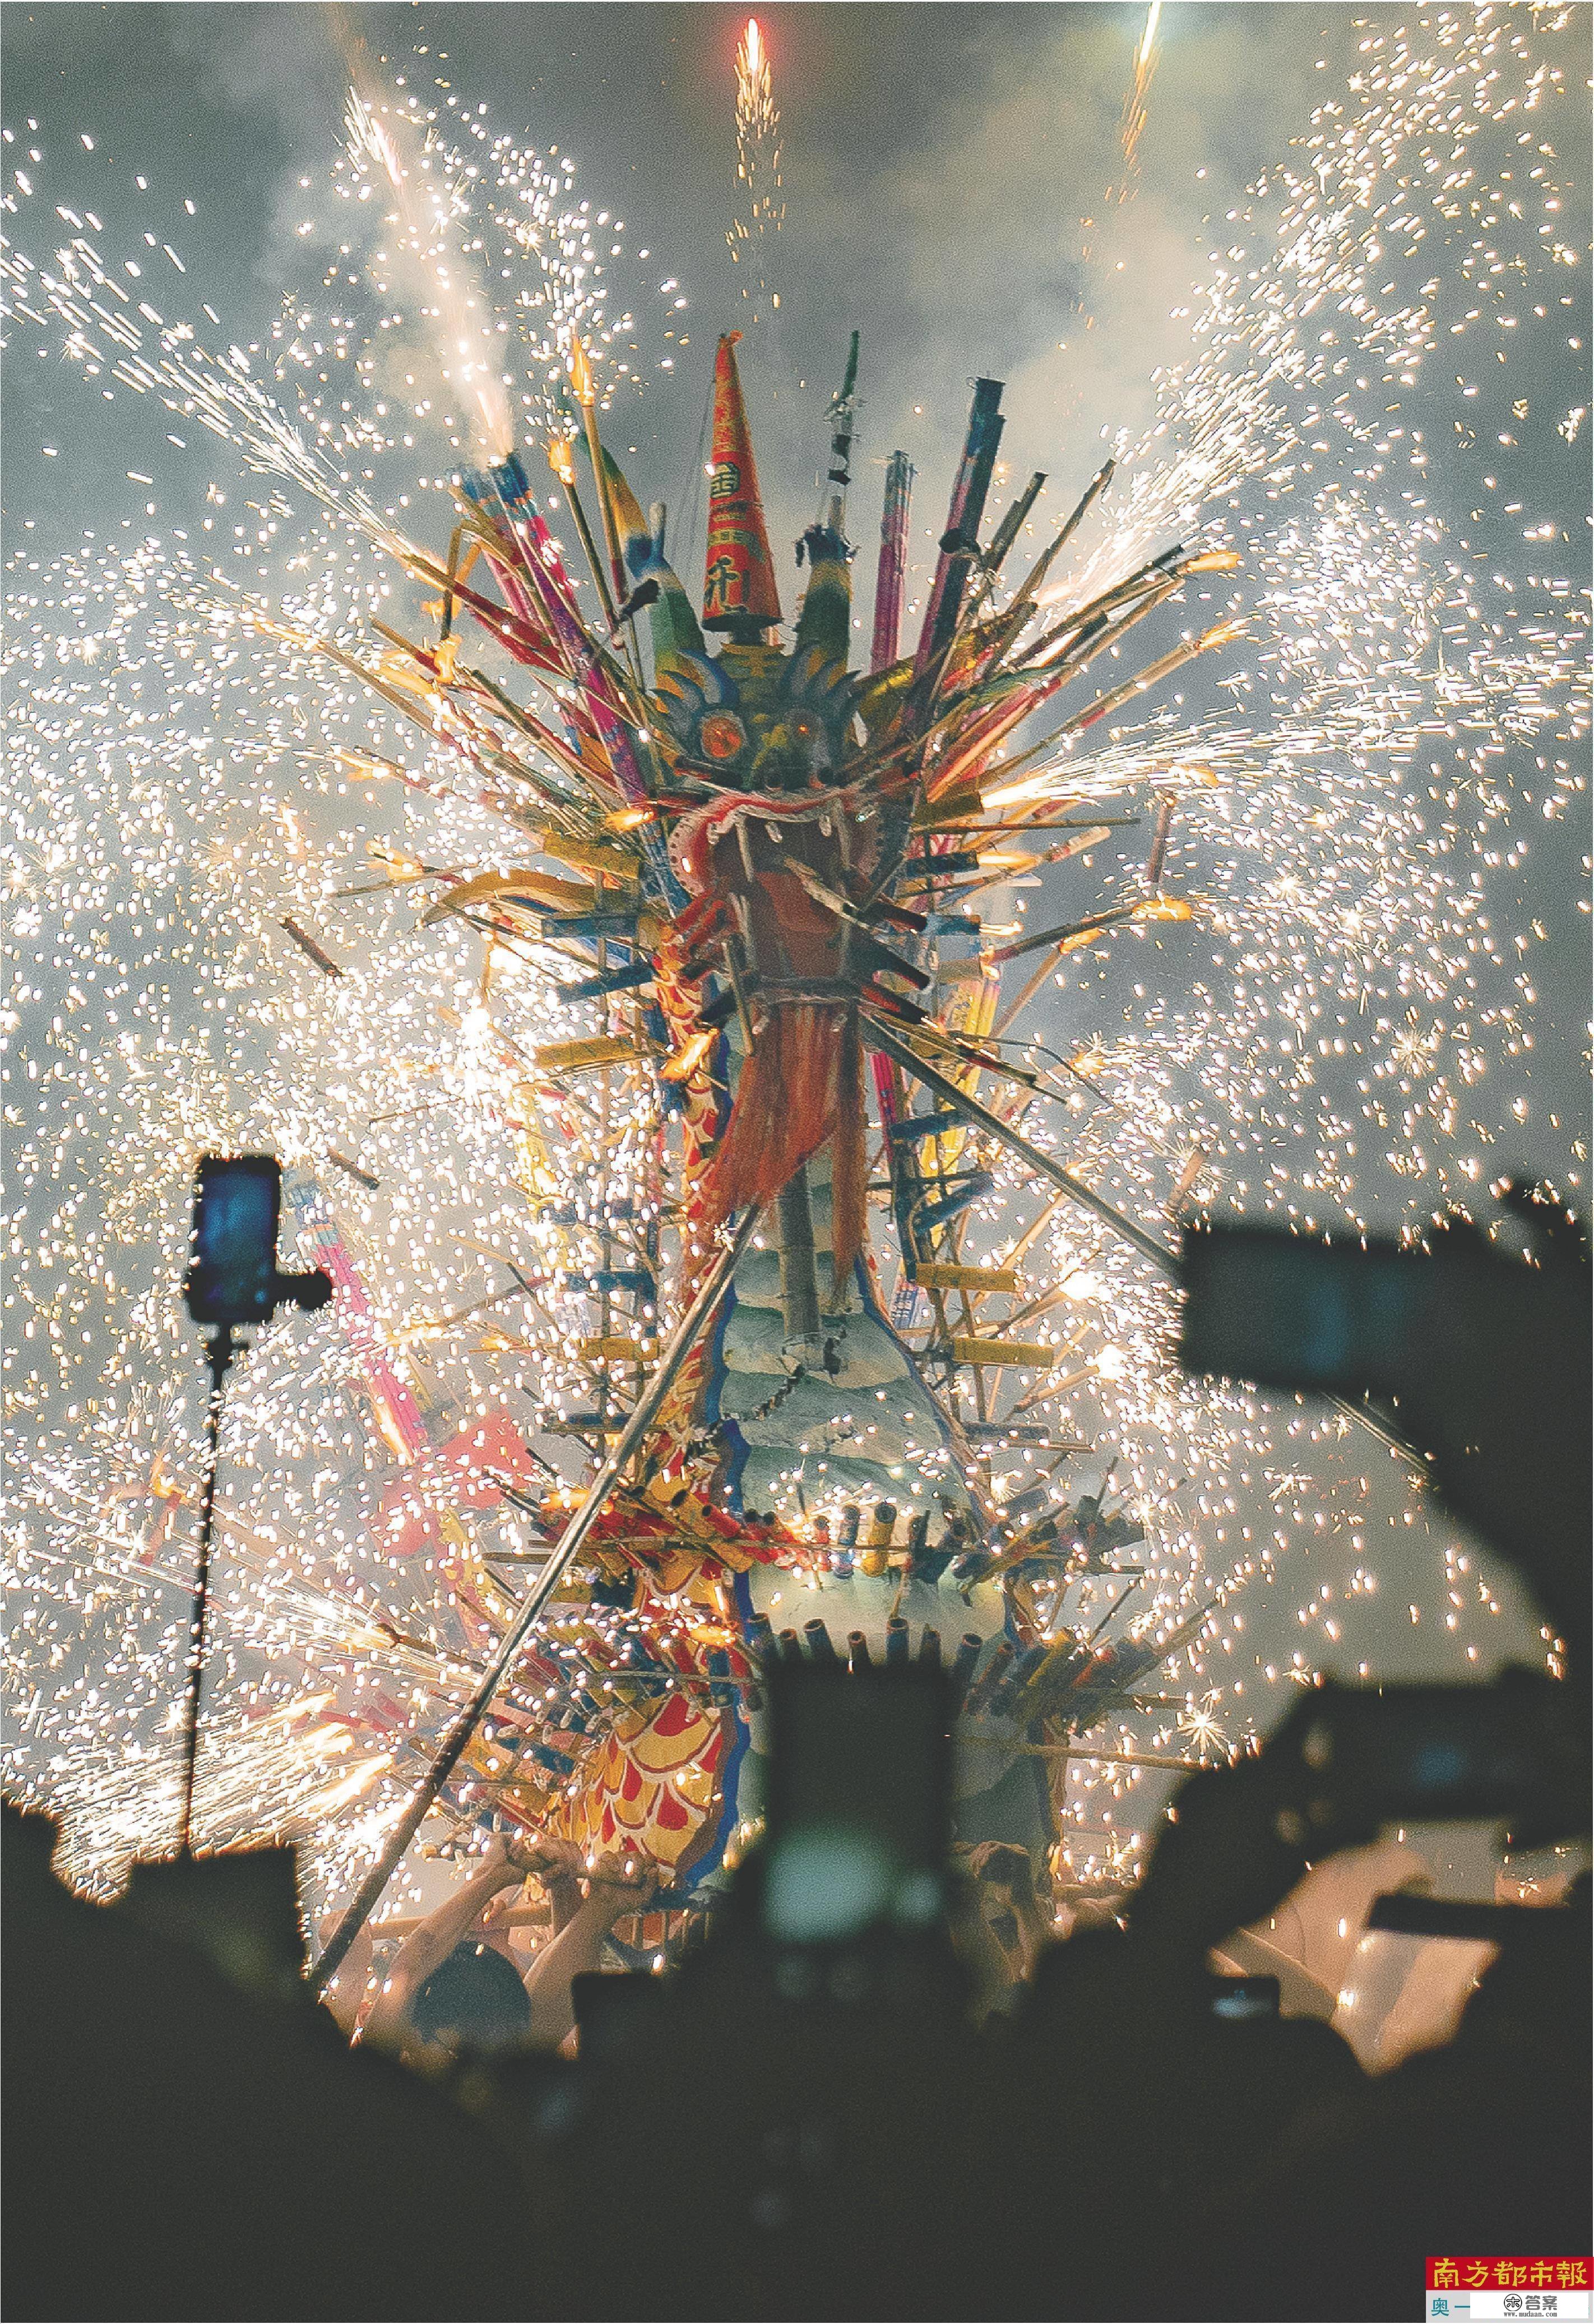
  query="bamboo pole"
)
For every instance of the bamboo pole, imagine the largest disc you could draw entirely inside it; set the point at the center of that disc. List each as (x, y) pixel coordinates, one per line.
(686, 1335)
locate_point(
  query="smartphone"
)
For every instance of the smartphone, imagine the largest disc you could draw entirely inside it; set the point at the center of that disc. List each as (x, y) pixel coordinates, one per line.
(1511, 1752)
(1287, 1311)
(237, 1206)
(234, 1278)
(1238, 2000)
(859, 1817)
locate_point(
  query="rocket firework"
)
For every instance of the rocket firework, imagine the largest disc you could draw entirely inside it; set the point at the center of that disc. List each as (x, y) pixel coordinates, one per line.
(893, 562)
(738, 592)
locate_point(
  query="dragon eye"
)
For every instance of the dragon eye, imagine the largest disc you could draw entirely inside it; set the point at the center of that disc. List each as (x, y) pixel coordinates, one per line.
(723, 736)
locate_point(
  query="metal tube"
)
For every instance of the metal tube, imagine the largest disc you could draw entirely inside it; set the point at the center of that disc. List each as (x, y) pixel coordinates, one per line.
(590, 549)
(1007, 532)
(893, 563)
(964, 510)
(589, 421)
(1092, 491)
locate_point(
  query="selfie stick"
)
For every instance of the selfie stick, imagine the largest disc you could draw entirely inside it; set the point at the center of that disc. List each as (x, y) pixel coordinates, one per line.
(208, 1302)
(218, 1355)
(687, 1334)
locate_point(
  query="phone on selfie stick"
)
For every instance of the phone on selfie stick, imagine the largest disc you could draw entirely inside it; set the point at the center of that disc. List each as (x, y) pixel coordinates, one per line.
(234, 1280)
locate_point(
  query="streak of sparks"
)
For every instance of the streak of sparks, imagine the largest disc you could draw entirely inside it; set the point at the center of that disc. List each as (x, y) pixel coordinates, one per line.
(1134, 111)
(760, 206)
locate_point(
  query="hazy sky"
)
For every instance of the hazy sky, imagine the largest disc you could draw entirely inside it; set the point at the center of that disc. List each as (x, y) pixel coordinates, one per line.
(937, 159)
(938, 162)
(938, 165)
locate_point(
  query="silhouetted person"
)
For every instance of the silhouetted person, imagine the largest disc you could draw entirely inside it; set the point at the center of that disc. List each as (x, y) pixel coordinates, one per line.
(176, 2147)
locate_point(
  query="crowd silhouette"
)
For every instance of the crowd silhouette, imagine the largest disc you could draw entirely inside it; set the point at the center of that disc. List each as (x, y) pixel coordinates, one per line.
(890, 2078)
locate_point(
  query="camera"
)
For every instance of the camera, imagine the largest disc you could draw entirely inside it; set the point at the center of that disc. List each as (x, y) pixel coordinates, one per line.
(1480, 1359)
(1287, 1311)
